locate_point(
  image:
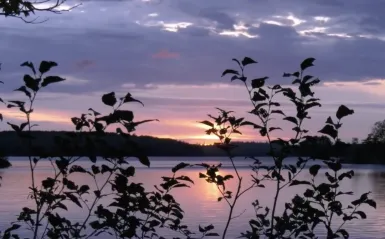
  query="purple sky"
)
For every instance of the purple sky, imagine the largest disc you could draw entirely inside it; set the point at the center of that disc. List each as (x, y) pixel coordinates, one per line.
(170, 54)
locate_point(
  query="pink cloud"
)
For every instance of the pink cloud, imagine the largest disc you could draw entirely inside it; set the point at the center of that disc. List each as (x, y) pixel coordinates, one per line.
(165, 54)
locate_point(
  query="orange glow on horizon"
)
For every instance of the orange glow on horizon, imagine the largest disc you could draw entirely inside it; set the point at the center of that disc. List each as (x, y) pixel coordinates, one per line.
(55, 117)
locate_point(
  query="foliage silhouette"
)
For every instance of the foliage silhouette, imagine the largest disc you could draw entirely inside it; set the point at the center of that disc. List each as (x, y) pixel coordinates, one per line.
(133, 211)
(320, 203)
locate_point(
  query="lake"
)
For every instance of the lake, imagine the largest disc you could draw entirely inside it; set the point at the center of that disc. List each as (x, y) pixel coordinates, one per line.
(200, 201)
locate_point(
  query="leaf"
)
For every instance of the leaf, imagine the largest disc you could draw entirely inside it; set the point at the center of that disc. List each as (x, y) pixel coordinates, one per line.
(252, 124)
(94, 112)
(274, 128)
(307, 63)
(45, 66)
(329, 130)
(128, 98)
(143, 159)
(14, 127)
(229, 71)
(361, 213)
(77, 169)
(83, 189)
(278, 112)
(31, 83)
(344, 233)
(329, 121)
(51, 79)
(371, 203)
(24, 89)
(343, 111)
(313, 170)
(258, 97)
(237, 62)
(126, 115)
(109, 99)
(291, 119)
(179, 166)
(247, 60)
(92, 158)
(258, 83)
(30, 65)
(212, 234)
(74, 199)
(298, 182)
(335, 166)
(208, 123)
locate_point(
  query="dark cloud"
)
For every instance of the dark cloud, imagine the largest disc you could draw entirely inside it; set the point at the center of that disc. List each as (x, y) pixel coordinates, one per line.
(119, 38)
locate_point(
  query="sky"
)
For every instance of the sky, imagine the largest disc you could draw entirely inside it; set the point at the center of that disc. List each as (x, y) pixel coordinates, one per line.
(170, 54)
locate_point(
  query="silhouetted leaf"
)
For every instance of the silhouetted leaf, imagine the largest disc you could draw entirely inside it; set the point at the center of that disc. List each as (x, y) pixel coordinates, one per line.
(77, 169)
(252, 124)
(361, 213)
(179, 166)
(237, 62)
(24, 89)
(313, 170)
(212, 234)
(30, 65)
(277, 112)
(74, 199)
(14, 127)
(51, 79)
(371, 203)
(31, 83)
(208, 123)
(229, 71)
(109, 99)
(258, 83)
(144, 160)
(329, 121)
(258, 97)
(274, 128)
(298, 182)
(329, 130)
(291, 119)
(247, 60)
(335, 166)
(92, 158)
(126, 115)
(343, 233)
(45, 66)
(343, 111)
(307, 63)
(128, 98)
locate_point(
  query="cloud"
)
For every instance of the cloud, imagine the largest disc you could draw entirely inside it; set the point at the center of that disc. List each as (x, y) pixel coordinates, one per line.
(165, 54)
(105, 46)
(80, 65)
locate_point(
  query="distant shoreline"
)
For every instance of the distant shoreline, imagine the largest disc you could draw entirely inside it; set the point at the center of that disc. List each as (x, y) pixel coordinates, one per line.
(46, 143)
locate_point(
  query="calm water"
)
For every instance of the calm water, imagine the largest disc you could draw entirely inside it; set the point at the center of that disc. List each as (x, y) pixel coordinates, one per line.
(200, 201)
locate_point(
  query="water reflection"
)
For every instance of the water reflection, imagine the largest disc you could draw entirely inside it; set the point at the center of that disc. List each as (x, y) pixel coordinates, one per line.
(200, 202)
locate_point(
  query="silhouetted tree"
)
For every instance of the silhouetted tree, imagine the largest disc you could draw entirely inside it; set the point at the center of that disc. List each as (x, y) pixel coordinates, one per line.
(23, 9)
(377, 135)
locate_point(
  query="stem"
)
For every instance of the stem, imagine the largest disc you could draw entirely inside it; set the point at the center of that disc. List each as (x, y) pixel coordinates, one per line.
(35, 194)
(95, 201)
(237, 195)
